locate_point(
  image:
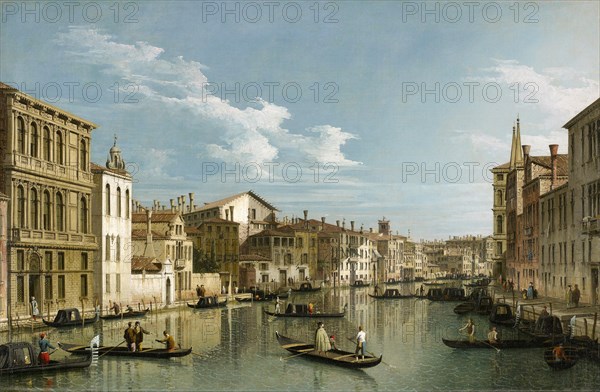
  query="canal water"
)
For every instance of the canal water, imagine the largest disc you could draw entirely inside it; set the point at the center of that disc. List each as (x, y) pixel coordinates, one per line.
(235, 349)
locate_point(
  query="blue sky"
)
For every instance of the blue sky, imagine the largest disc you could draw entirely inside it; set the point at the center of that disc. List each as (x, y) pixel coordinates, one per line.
(394, 109)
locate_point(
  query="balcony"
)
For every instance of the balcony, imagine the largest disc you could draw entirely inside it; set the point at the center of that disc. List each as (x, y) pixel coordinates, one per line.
(179, 264)
(591, 226)
(51, 237)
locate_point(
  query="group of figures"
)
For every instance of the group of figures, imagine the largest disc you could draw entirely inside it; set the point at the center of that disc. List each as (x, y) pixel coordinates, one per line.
(325, 343)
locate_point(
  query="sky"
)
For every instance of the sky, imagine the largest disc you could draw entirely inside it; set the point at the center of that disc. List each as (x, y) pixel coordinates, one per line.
(353, 111)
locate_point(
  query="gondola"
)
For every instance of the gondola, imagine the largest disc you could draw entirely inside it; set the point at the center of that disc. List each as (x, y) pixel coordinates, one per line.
(502, 344)
(251, 299)
(21, 357)
(209, 302)
(502, 314)
(132, 314)
(301, 310)
(571, 356)
(464, 308)
(449, 294)
(119, 351)
(306, 288)
(360, 283)
(391, 294)
(69, 318)
(334, 357)
(392, 281)
(546, 328)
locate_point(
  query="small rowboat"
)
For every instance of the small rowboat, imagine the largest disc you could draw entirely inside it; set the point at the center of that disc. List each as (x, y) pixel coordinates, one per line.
(571, 356)
(334, 357)
(69, 318)
(305, 314)
(502, 344)
(133, 314)
(209, 303)
(119, 351)
(390, 294)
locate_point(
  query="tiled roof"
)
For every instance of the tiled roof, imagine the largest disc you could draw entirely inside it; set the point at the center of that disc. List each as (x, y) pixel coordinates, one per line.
(218, 221)
(227, 200)
(98, 168)
(157, 216)
(4, 86)
(562, 163)
(582, 113)
(274, 233)
(140, 263)
(137, 234)
(503, 166)
(191, 230)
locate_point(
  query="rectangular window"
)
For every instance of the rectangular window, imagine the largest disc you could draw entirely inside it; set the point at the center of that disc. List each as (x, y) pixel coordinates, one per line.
(61, 286)
(107, 284)
(20, 260)
(61, 261)
(48, 287)
(48, 260)
(84, 261)
(118, 278)
(84, 286)
(20, 289)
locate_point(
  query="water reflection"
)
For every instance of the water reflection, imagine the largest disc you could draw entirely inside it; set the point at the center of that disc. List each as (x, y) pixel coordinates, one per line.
(235, 349)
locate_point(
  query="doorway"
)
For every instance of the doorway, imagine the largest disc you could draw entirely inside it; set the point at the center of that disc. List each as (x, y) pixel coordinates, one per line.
(168, 297)
(35, 291)
(594, 286)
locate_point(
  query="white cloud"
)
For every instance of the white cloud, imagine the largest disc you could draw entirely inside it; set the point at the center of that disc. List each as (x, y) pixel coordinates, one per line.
(252, 134)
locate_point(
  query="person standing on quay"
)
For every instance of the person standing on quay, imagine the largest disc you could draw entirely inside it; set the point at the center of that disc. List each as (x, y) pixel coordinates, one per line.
(575, 296)
(35, 311)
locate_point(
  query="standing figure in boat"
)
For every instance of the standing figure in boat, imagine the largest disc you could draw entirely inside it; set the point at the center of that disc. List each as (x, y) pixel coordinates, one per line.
(470, 330)
(44, 357)
(322, 344)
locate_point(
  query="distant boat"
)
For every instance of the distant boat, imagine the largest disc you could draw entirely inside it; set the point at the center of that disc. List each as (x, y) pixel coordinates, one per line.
(69, 318)
(502, 314)
(571, 356)
(502, 344)
(359, 283)
(118, 351)
(306, 287)
(301, 310)
(208, 302)
(131, 314)
(391, 294)
(342, 358)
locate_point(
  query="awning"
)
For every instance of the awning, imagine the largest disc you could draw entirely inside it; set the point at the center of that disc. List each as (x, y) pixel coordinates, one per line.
(377, 253)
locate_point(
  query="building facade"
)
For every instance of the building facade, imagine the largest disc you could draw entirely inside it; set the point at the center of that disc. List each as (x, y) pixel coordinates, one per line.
(500, 174)
(111, 223)
(47, 177)
(3, 258)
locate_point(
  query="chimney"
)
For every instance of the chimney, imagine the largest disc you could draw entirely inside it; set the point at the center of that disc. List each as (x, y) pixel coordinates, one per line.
(231, 213)
(370, 229)
(305, 219)
(553, 156)
(149, 249)
(178, 203)
(183, 204)
(343, 223)
(226, 214)
(526, 149)
(172, 205)
(352, 225)
(191, 194)
(337, 222)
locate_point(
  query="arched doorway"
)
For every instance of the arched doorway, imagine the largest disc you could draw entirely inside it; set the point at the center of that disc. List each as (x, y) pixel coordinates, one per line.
(35, 284)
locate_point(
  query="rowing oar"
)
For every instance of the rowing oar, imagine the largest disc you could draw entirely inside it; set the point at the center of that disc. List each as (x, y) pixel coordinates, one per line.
(295, 355)
(107, 351)
(372, 354)
(484, 342)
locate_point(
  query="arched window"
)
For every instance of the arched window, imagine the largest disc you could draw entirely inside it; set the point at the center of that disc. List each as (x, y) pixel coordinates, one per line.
(82, 155)
(47, 211)
(499, 224)
(20, 207)
(21, 135)
(127, 203)
(83, 215)
(35, 211)
(118, 245)
(118, 202)
(107, 196)
(47, 147)
(60, 148)
(499, 201)
(33, 145)
(60, 212)
(107, 248)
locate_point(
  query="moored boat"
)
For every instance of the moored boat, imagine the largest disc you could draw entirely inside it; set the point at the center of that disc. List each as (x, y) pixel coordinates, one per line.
(391, 294)
(306, 288)
(208, 302)
(69, 318)
(20, 357)
(463, 308)
(123, 315)
(119, 351)
(335, 357)
(502, 314)
(301, 310)
(501, 344)
(360, 283)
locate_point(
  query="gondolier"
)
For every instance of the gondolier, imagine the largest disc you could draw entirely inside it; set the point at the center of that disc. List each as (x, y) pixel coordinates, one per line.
(44, 357)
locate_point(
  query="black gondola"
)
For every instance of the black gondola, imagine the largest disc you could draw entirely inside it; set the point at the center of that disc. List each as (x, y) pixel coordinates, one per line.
(450, 294)
(301, 310)
(571, 357)
(306, 288)
(545, 328)
(502, 314)
(360, 283)
(208, 302)
(69, 318)
(253, 299)
(118, 351)
(502, 344)
(20, 357)
(464, 308)
(334, 357)
(391, 294)
(132, 314)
